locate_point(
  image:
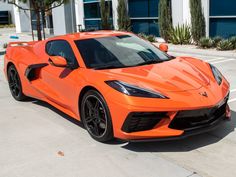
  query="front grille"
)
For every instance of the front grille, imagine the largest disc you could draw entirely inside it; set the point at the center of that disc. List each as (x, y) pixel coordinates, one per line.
(141, 121)
(193, 119)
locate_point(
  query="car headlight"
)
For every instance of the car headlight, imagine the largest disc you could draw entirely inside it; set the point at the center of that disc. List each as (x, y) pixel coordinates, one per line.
(132, 90)
(217, 74)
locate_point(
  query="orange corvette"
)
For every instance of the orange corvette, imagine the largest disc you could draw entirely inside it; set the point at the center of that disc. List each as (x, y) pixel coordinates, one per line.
(119, 85)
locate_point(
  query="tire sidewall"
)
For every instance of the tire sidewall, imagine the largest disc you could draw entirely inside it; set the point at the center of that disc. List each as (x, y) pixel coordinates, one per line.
(109, 131)
(21, 96)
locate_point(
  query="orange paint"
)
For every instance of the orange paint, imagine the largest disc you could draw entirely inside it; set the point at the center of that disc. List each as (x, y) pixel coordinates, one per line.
(181, 79)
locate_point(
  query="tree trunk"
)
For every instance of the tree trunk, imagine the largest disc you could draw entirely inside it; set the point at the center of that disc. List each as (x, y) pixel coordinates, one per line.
(39, 34)
(43, 23)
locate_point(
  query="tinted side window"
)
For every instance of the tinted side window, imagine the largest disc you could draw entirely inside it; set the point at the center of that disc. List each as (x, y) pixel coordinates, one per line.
(61, 48)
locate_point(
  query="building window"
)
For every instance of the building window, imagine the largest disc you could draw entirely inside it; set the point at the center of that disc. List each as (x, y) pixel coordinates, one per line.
(222, 18)
(92, 16)
(5, 18)
(222, 8)
(144, 16)
(224, 27)
(91, 10)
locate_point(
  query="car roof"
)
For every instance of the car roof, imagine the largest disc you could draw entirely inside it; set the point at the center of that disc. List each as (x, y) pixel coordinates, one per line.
(89, 35)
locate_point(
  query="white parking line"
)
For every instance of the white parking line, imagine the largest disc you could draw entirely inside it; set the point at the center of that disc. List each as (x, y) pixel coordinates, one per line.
(214, 59)
(232, 100)
(226, 60)
(233, 90)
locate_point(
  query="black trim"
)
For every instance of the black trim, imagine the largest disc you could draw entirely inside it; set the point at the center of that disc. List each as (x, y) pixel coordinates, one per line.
(189, 133)
(30, 72)
(141, 121)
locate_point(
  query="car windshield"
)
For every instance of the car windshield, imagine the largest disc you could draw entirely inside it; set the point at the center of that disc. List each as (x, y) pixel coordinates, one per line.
(119, 52)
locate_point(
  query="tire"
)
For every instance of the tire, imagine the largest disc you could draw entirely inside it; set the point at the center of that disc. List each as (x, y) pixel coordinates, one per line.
(96, 116)
(14, 83)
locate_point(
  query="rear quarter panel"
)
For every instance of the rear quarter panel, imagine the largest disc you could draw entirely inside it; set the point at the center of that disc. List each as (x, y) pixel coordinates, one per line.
(21, 57)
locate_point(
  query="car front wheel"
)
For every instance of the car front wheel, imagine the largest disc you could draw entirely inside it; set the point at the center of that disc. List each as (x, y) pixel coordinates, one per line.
(96, 116)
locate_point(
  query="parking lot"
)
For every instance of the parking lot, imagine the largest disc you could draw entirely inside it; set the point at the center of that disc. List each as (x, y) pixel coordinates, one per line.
(37, 140)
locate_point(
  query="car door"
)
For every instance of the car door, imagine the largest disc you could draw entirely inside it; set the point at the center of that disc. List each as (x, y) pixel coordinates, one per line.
(61, 83)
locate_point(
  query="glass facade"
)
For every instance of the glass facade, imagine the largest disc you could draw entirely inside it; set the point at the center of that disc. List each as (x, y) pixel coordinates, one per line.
(222, 18)
(92, 16)
(222, 8)
(4, 17)
(144, 16)
(225, 27)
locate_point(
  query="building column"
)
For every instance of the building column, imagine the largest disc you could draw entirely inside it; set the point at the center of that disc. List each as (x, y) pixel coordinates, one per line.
(177, 12)
(180, 12)
(22, 18)
(16, 13)
(186, 12)
(58, 17)
(64, 20)
(115, 14)
(206, 11)
(79, 13)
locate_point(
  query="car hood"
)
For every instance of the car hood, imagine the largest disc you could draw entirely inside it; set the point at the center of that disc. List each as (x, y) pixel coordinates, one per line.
(179, 74)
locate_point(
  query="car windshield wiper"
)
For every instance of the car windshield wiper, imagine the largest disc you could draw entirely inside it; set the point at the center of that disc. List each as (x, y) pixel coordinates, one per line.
(108, 67)
(150, 62)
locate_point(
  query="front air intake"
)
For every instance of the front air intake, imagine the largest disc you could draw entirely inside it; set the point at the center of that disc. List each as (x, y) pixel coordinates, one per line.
(141, 121)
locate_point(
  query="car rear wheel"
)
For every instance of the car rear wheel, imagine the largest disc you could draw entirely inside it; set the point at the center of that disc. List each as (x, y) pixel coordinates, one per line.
(96, 116)
(15, 83)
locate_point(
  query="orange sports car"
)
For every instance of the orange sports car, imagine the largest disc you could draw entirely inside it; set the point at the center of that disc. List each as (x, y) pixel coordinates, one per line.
(119, 85)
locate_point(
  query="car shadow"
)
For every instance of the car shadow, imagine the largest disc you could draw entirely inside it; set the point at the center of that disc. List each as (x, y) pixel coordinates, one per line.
(63, 115)
(188, 144)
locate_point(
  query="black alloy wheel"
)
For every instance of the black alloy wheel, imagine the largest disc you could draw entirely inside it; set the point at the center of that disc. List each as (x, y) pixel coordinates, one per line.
(15, 83)
(96, 116)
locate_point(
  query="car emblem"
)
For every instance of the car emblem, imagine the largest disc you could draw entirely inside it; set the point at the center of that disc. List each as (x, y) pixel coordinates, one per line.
(203, 94)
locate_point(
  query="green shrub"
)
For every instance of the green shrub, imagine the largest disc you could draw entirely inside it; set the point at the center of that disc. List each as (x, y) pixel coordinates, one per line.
(205, 42)
(123, 20)
(233, 41)
(197, 20)
(7, 26)
(151, 38)
(181, 34)
(105, 14)
(216, 40)
(164, 20)
(225, 45)
(142, 35)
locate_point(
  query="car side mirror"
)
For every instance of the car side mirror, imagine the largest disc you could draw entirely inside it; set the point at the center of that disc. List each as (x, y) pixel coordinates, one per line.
(163, 47)
(57, 61)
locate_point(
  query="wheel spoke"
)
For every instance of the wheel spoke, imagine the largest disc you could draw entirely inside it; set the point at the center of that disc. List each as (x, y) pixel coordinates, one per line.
(89, 105)
(96, 129)
(12, 85)
(11, 75)
(96, 106)
(95, 116)
(17, 91)
(17, 86)
(15, 76)
(89, 119)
